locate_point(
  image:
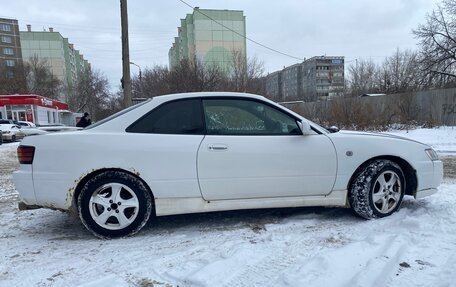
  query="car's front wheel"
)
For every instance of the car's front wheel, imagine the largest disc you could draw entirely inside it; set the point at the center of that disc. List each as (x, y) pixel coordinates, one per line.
(114, 204)
(378, 189)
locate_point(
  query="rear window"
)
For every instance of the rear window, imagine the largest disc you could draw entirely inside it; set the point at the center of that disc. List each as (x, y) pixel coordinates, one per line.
(118, 114)
(176, 117)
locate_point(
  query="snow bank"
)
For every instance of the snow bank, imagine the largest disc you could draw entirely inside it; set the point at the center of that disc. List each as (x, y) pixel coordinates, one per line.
(442, 139)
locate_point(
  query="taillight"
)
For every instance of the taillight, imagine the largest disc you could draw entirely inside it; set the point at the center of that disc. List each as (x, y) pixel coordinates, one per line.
(25, 154)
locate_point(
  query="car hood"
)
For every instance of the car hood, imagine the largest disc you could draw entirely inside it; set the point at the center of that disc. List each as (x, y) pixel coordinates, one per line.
(382, 135)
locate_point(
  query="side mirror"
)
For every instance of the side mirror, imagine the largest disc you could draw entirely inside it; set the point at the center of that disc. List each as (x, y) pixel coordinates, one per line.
(305, 127)
(333, 129)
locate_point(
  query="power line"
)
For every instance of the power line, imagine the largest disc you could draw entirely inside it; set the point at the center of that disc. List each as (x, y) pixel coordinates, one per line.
(97, 28)
(243, 36)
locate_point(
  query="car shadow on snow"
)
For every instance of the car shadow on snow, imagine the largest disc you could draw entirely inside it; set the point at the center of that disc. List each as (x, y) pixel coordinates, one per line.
(411, 205)
(69, 227)
(55, 225)
(255, 219)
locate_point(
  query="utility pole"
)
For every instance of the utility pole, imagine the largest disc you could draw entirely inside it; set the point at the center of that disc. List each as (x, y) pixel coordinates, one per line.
(126, 80)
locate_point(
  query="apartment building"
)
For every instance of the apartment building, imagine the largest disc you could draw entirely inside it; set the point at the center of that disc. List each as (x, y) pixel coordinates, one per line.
(64, 61)
(210, 37)
(319, 78)
(10, 47)
(322, 78)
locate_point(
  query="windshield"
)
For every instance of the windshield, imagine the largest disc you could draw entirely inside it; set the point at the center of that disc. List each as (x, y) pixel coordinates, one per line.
(124, 111)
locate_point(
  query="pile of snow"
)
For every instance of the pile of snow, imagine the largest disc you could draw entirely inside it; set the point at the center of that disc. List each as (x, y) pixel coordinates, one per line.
(442, 139)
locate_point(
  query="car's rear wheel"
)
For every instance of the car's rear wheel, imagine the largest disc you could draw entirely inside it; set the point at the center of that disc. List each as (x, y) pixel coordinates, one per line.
(378, 189)
(114, 204)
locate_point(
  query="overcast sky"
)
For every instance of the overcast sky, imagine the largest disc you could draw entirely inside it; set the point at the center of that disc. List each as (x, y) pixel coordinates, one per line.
(356, 29)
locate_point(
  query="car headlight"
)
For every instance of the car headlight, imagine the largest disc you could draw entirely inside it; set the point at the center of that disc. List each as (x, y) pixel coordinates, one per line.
(431, 154)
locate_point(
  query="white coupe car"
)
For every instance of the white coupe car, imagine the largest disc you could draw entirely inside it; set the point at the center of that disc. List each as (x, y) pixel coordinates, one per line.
(11, 132)
(202, 152)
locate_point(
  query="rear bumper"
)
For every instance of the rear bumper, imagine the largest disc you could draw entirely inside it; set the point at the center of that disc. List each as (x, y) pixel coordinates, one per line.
(23, 179)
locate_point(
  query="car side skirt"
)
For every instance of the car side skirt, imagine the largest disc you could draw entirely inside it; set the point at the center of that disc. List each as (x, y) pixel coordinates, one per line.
(170, 206)
(425, 192)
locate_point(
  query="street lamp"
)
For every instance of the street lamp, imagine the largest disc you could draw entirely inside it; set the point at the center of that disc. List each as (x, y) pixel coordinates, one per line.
(140, 77)
(131, 63)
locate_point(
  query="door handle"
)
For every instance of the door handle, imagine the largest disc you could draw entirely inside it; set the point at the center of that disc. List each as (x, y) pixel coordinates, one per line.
(217, 147)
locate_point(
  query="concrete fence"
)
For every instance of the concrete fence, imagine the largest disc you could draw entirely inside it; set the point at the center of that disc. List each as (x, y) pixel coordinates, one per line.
(434, 107)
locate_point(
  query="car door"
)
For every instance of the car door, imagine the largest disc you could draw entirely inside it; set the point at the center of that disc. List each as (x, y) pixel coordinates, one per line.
(253, 149)
(165, 143)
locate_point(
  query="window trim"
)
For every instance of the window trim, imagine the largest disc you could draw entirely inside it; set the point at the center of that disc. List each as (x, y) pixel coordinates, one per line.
(5, 27)
(10, 63)
(5, 37)
(201, 98)
(8, 49)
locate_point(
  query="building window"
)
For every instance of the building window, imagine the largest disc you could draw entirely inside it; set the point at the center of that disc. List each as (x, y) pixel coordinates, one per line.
(7, 39)
(5, 27)
(9, 63)
(8, 51)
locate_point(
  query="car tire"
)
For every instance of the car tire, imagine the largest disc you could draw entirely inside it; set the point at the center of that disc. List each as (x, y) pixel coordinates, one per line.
(377, 190)
(114, 204)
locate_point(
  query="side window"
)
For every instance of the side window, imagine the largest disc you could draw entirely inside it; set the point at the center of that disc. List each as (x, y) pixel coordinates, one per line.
(246, 117)
(179, 117)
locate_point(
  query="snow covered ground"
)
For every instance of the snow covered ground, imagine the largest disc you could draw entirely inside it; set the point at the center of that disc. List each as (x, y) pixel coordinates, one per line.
(442, 139)
(279, 247)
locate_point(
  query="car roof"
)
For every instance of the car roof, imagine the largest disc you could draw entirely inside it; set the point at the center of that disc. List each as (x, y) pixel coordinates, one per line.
(117, 121)
(206, 94)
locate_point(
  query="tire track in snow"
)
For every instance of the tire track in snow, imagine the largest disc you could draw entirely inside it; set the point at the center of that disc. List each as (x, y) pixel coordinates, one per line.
(384, 265)
(252, 266)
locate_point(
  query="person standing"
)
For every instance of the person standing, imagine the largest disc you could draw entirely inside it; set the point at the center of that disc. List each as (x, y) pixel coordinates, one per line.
(84, 121)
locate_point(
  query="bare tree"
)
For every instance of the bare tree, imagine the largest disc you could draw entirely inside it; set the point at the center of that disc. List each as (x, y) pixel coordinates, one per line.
(12, 80)
(153, 82)
(400, 73)
(90, 94)
(246, 74)
(40, 79)
(437, 41)
(110, 105)
(194, 76)
(188, 76)
(363, 76)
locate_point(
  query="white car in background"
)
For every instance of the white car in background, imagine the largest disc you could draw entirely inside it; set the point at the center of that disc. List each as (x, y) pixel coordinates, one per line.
(30, 129)
(26, 124)
(203, 152)
(11, 132)
(58, 128)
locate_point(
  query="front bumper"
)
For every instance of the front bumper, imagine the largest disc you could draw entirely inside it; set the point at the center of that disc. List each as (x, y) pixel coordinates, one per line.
(433, 179)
